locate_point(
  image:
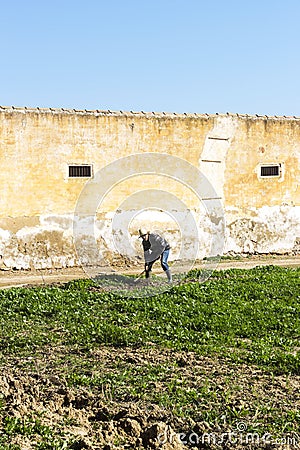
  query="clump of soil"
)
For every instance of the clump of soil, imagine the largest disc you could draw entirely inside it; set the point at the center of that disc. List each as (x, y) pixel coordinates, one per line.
(95, 417)
(84, 418)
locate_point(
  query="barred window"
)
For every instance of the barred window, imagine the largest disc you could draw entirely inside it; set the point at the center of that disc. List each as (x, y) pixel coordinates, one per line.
(80, 171)
(272, 170)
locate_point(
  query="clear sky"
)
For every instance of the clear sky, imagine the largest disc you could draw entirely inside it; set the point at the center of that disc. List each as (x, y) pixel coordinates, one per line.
(152, 55)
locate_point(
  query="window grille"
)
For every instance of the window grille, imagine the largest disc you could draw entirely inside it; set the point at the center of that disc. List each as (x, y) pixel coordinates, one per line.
(270, 171)
(83, 171)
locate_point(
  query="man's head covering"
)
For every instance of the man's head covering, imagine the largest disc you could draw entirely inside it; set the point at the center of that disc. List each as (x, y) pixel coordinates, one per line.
(143, 232)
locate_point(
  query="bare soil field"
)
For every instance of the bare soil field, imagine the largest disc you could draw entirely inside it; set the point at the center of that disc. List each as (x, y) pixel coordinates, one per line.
(103, 418)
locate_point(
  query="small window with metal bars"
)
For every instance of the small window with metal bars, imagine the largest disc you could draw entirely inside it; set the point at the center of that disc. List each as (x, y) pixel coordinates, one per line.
(270, 171)
(80, 171)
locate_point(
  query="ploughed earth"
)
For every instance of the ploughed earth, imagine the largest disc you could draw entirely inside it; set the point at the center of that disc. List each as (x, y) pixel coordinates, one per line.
(109, 416)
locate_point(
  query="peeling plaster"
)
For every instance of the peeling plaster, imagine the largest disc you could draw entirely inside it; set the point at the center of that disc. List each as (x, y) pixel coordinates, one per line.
(269, 230)
(36, 228)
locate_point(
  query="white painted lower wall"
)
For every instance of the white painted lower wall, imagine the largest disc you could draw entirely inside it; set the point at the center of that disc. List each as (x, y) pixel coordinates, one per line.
(58, 241)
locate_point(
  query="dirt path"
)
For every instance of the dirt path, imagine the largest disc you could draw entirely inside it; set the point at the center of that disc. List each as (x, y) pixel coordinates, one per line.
(14, 278)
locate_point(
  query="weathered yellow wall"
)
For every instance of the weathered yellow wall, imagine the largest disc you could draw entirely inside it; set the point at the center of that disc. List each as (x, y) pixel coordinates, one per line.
(36, 148)
(263, 141)
(38, 199)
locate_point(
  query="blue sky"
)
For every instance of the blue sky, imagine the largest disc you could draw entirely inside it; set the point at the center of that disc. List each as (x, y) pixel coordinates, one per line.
(156, 55)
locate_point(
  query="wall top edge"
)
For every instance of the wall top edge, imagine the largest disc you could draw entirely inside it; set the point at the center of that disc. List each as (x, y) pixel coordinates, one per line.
(98, 112)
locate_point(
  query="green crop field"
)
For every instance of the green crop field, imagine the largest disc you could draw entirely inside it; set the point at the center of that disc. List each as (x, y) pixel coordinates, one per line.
(83, 368)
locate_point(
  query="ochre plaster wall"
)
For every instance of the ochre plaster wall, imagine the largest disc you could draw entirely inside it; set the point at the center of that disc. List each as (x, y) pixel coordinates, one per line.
(38, 199)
